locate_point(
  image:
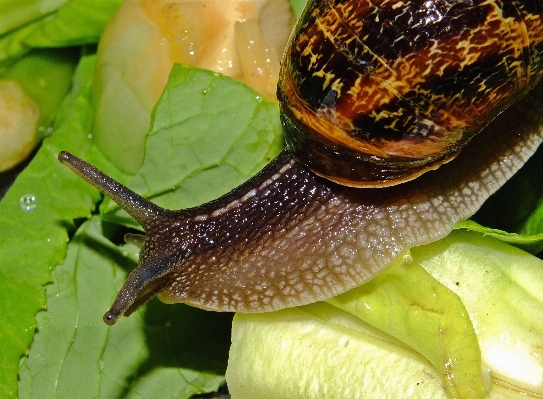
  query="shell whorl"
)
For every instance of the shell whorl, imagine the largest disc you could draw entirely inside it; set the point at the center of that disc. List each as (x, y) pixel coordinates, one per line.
(374, 94)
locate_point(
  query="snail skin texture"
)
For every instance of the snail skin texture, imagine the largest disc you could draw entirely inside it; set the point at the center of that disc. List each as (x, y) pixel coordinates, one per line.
(289, 237)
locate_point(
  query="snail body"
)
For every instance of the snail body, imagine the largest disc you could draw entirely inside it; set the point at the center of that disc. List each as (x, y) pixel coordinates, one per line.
(288, 236)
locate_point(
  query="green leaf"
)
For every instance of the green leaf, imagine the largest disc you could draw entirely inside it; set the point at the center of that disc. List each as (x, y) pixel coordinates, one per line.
(75, 354)
(534, 223)
(409, 304)
(75, 23)
(209, 134)
(529, 243)
(33, 241)
(514, 208)
(46, 76)
(12, 44)
(502, 290)
(60, 24)
(16, 13)
(514, 214)
(307, 351)
(317, 351)
(297, 6)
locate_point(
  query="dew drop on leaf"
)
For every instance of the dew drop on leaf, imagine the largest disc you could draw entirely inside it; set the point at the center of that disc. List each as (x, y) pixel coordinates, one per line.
(28, 202)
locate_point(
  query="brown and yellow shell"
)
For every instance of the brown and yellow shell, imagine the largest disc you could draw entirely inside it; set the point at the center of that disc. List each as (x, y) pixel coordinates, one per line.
(377, 93)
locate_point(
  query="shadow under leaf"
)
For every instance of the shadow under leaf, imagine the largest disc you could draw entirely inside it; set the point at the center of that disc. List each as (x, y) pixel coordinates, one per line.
(183, 337)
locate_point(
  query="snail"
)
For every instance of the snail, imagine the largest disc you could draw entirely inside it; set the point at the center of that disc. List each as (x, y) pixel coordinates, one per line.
(375, 97)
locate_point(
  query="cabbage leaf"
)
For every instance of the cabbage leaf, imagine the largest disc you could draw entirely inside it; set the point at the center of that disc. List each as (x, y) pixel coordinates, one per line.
(352, 354)
(51, 23)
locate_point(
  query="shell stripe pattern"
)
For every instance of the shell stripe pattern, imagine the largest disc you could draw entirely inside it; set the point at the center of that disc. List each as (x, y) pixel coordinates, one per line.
(405, 82)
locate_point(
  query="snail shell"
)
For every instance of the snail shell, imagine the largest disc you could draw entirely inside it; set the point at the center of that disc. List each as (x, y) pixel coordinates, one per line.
(288, 237)
(374, 94)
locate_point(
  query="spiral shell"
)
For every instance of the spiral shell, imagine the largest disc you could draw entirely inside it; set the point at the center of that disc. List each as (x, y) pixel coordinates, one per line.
(374, 94)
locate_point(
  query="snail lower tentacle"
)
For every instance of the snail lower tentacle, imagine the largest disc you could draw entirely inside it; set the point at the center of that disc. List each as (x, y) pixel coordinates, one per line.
(288, 237)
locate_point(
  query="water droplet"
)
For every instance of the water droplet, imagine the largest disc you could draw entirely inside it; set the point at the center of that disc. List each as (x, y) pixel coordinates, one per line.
(89, 136)
(204, 92)
(28, 202)
(45, 131)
